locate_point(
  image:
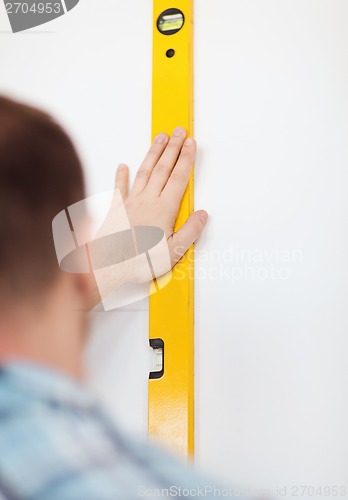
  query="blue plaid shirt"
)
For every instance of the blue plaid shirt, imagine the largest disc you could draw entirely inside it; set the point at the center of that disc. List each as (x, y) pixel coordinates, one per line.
(57, 444)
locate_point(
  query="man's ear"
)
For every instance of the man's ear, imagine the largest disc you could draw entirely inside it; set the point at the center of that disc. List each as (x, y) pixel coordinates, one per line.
(82, 283)
(87, 289)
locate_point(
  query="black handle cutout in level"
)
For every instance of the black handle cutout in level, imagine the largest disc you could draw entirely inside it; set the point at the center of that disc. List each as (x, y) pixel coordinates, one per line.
(157, 345)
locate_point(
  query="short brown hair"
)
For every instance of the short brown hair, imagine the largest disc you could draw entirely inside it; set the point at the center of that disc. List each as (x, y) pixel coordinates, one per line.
(40, 175)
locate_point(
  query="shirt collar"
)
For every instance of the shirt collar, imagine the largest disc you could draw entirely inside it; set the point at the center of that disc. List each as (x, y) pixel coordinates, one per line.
(46, 384)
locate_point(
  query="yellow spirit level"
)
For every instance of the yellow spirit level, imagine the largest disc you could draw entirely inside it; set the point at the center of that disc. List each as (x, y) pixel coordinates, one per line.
(171, 389)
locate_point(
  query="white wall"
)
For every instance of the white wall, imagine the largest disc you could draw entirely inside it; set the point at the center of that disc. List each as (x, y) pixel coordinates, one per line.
(272, 275)
(271, 354)
(94, 73)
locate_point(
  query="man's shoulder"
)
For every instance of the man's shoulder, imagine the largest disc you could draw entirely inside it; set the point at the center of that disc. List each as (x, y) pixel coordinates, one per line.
(46, 446)
(55, 442)
(49, 430)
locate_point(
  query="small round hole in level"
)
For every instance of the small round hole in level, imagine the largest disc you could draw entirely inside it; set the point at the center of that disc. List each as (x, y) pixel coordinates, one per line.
(170, 21)
(170, 53)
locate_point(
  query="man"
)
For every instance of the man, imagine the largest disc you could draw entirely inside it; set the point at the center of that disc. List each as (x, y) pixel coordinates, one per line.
(55, 441)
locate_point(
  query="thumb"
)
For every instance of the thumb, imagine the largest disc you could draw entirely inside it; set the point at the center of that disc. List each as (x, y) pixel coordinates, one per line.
(187, 234)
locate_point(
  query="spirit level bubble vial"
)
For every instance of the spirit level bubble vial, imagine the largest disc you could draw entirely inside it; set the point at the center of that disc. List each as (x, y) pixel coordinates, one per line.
(171, 394)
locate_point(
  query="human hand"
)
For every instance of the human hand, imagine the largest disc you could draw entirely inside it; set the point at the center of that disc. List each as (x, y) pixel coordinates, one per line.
(155, 197)
(153, 201)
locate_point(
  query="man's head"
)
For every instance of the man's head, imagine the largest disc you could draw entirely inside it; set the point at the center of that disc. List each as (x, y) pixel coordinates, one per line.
(40, 175)
(42, 309)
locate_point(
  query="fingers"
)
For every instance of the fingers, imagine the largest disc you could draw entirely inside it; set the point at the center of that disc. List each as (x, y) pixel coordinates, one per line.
(121, 180)
(187, 234)
(178, 180)
(151, 159)
(167, 161)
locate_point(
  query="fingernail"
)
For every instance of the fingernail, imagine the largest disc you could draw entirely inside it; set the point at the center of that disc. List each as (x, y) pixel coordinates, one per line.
(189, 142)
(179, 132)
(161, 138)
(122, 166)
(204, 217)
